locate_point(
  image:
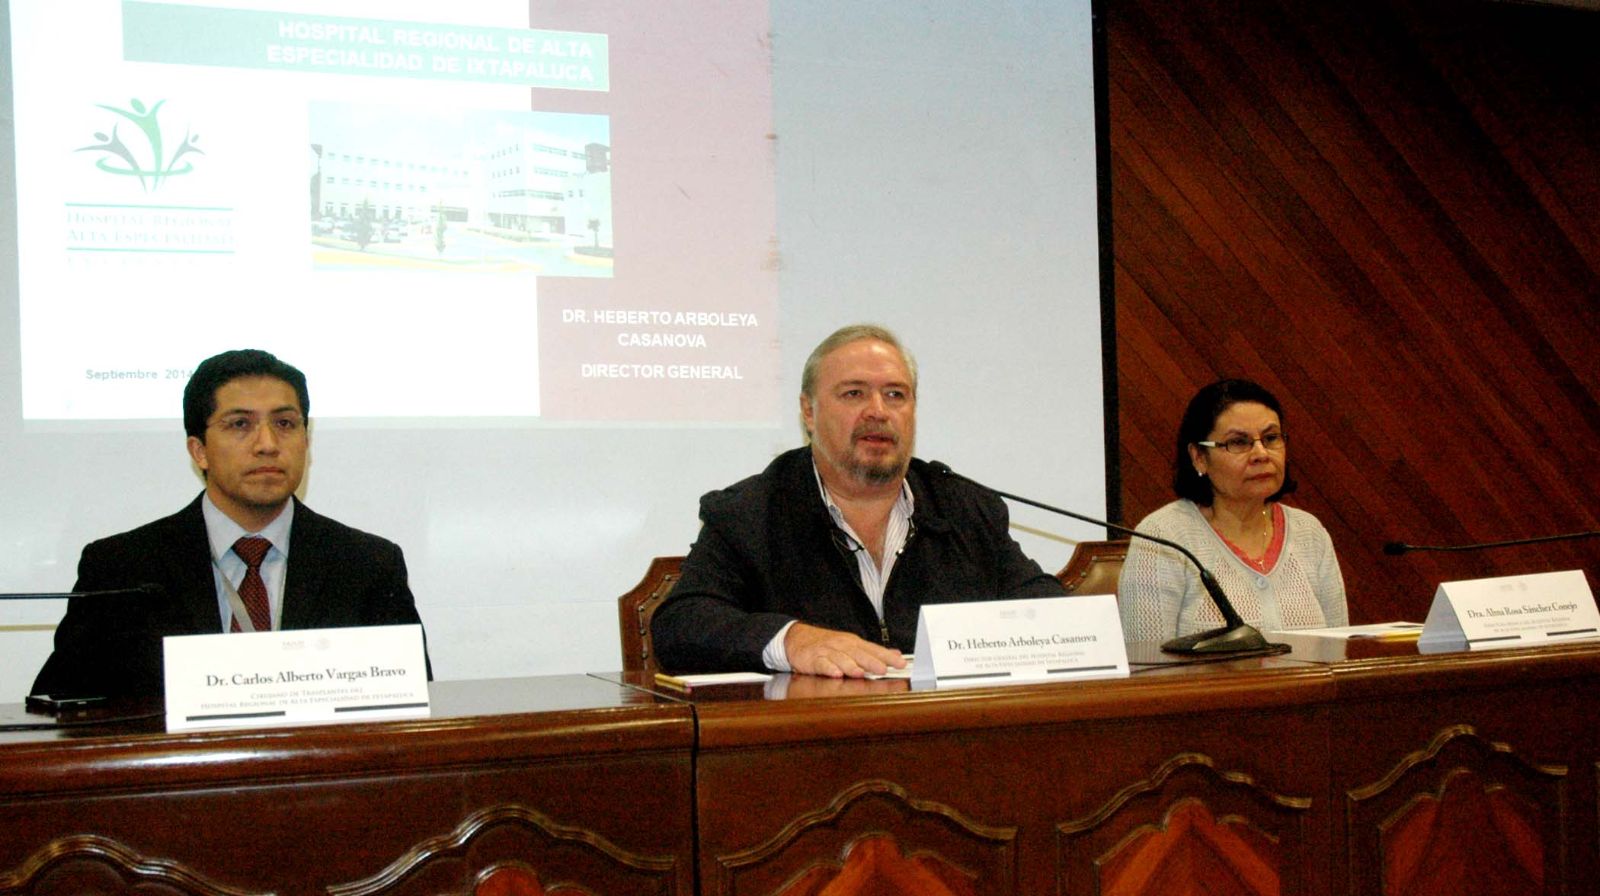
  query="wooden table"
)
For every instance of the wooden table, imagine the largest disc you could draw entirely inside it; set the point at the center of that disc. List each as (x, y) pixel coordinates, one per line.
(1360, 769)
(562, 785)
(1376, 771)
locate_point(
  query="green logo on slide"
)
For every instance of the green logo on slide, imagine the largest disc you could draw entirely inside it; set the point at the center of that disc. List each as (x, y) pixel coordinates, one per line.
(156, 165)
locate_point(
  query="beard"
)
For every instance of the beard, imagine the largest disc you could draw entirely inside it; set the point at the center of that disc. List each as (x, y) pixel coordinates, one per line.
(881, 473)
(883, 470)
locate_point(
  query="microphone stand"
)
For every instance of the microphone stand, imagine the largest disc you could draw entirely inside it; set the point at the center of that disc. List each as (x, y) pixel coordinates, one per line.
(1235, 635)
(1396, 548)
(145, 590)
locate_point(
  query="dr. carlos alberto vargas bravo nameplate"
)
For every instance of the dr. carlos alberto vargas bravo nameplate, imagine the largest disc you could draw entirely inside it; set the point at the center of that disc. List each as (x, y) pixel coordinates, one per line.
(1510, 611)
(302, 676)
(999, 642)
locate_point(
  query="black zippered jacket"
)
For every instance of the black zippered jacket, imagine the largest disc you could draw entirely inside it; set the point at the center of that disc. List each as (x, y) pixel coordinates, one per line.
(768, 552)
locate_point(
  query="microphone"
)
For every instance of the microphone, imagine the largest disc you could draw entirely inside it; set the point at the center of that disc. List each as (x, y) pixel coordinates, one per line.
(1234, 636)
(148, 589)
(1396, 548)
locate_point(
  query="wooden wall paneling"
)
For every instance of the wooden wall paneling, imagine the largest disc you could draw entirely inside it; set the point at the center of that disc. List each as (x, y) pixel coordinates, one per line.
(1241, 332)
(1475, 196)
(1359, 205)
(1547, 143)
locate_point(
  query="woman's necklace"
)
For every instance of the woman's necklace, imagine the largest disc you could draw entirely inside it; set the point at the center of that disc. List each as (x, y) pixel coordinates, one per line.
(1245, 544)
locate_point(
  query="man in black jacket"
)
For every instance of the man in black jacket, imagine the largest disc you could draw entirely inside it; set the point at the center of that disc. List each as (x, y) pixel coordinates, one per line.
(246, 415)
(820, 563)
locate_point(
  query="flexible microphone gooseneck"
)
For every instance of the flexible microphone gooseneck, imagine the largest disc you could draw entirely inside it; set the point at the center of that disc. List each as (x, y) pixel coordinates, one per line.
(1234, 636)
(1396, 548)
(146, 590)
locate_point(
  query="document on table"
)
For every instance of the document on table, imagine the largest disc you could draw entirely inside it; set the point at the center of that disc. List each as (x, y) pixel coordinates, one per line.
(1377, 631)
(710, 679)
(688, 682)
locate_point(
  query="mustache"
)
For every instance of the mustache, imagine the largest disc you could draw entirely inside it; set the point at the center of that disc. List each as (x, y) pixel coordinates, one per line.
(874, 429)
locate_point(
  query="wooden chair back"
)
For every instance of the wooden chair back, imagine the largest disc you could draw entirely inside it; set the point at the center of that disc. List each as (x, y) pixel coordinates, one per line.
(636, 608)
(1095, 567)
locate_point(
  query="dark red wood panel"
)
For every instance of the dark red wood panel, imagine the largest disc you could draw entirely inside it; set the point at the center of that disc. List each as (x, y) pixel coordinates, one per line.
(1387, 213)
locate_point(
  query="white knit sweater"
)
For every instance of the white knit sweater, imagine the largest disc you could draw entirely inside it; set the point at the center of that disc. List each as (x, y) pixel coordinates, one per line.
(1160, 596)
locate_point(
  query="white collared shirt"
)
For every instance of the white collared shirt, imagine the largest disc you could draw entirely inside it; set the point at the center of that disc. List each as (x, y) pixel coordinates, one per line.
(221, 533)
(874, 579)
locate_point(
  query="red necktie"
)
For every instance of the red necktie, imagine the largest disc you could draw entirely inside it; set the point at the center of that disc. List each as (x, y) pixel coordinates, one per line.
(253, 590)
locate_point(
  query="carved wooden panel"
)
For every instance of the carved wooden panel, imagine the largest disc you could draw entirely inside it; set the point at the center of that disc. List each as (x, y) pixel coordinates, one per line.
(875, 864)
(517, 879)
(92, 864)
(933, 850)
(561, 785)
(514, 850)
(1463, 816)
(1187, 829)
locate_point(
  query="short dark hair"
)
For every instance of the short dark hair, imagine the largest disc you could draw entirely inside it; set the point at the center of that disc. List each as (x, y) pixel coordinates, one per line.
(1198, 419)
(200, 395)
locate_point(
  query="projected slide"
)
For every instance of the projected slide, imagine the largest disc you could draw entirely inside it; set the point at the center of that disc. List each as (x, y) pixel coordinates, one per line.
(488, 209)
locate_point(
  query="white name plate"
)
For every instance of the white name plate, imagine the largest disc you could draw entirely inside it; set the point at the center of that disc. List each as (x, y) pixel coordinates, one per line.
(1510, 611)
(999, 642)
(295, 677)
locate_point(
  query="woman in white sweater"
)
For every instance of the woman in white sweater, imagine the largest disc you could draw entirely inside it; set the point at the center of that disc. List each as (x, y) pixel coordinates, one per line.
(1275, 562)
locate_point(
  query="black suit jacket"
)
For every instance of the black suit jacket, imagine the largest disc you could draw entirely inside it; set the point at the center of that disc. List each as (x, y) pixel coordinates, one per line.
(337, 577)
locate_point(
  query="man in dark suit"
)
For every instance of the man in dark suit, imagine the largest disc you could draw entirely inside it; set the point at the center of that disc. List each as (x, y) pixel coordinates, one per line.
(245, 555)
(821, 563)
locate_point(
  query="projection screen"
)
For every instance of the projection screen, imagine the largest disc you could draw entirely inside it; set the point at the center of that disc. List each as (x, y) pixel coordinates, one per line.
(551, 269)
